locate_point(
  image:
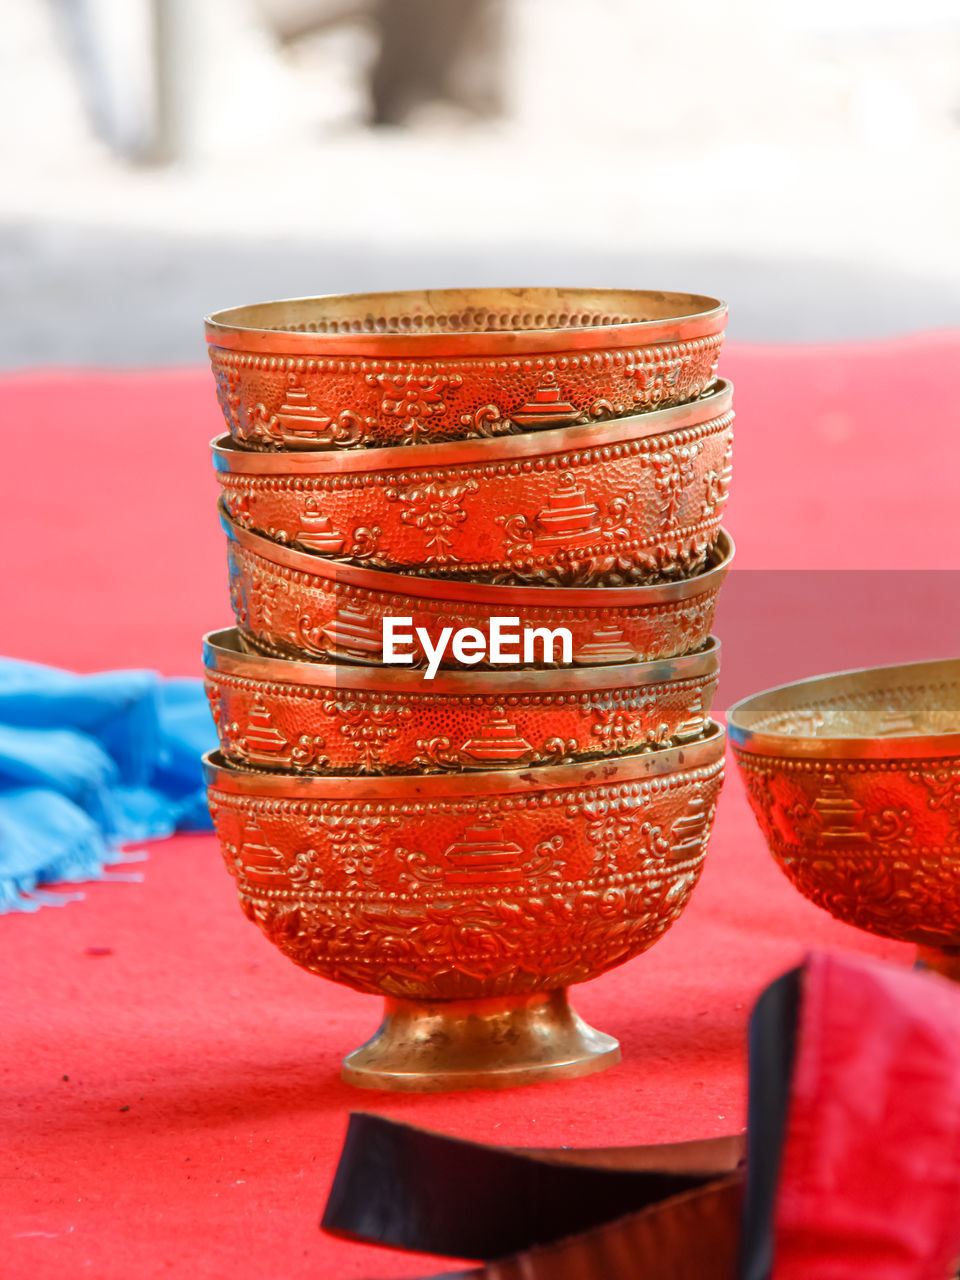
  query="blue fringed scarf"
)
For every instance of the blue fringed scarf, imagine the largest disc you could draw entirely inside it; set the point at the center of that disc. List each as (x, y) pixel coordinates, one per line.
(89, 764)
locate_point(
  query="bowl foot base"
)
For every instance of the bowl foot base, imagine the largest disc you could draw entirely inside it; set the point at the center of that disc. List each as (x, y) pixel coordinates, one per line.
(495, 1043)
(942, 960)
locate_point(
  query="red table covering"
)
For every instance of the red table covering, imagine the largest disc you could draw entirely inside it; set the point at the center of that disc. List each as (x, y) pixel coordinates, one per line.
(170, 1101)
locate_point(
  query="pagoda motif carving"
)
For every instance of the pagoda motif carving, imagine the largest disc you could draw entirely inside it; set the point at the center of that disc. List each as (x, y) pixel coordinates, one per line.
(546, 409)
(317, 533)
(263, 740)
(353, 635)
(483, 854)
(297, 417)
(690, 830)
(258, 861)
(568, 517)
(840, 817)
(691, 727)
(498, 743)
(605, 645)
(298, 421)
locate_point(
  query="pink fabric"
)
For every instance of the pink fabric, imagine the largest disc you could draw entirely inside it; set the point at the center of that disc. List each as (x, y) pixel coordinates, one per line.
(870, 1181)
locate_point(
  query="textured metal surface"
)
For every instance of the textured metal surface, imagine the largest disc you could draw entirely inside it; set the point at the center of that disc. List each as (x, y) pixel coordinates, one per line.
(292, 604)
(497, 1043)
(855, 781)
(323, 718)
(381, 369)
(616, 502)
(469, 885)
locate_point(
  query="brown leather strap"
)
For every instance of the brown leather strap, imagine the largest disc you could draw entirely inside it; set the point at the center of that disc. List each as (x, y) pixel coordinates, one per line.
(405, 1187)
(701, 1155)
(694, 1236)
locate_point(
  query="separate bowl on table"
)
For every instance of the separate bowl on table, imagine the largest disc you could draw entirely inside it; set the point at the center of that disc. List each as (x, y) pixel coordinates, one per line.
(855, 781)
(406, 368)
(614, 502)
(471, 901)
(293, 604)
(313, 717)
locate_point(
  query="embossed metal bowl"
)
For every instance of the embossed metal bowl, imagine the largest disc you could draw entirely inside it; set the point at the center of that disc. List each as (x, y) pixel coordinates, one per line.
(471, 901)
(614, 502)
(403, 368)
(855, 781)
(321, 718)
(292, 604)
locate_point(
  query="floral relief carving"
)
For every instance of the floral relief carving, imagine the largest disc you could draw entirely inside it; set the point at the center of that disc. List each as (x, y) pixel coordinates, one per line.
(369, 725)
(414, 399)
(673, 469)
(356, 842)
(943, 789)
(435, 507)
(621, 725)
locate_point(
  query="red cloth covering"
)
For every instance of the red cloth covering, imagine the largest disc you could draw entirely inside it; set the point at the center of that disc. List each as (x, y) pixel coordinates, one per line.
(870, 1177)
(170, 1100)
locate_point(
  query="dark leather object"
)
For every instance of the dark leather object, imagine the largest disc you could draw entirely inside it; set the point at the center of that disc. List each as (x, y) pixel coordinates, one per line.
(694, 1236)
(852, 1168)
(401, 1186)
(773, 1042)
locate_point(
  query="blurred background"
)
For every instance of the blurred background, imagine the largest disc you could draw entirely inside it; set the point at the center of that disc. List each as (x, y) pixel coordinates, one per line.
(163, 158)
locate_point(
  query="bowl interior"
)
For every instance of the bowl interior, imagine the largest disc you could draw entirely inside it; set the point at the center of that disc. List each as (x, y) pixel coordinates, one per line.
(465, 311)
(889, 703)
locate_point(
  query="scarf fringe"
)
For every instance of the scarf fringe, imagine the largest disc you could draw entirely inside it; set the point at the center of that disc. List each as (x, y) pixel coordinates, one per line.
(88, 861)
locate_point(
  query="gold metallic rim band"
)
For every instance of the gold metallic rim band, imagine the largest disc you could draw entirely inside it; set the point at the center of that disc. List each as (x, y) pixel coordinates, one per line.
(398, 584)
(625, 771)
(418, 331)
(712, 411)
(220, 653)
(860, 680)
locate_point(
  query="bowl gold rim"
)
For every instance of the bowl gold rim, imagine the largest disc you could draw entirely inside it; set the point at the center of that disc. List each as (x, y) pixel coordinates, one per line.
(616, 771)
(385, 583)
(230, 457)
(704, 317)
(848, 746)
(222, 654)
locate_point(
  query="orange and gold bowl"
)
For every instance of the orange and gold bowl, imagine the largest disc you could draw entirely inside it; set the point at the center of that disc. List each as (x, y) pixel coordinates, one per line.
(854, 779)
(312, 717)
(292, 604)
(615, 502)
(471, 901)
(358, 370)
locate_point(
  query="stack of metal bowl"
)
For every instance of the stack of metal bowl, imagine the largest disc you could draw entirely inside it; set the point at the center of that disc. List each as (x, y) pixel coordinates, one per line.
(474, 549)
